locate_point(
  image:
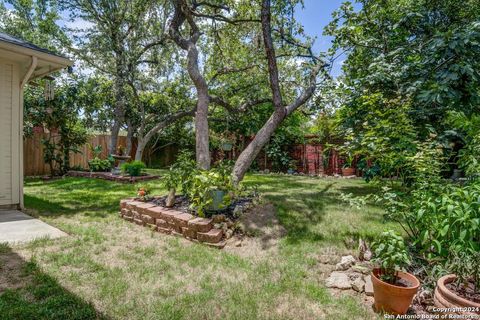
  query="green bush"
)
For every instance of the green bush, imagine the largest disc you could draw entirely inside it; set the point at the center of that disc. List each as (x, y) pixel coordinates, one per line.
(99, 165)
(439, 218)
(391, 255)
(133, 168)
(466, 266)
(204, 183)
(199, 185)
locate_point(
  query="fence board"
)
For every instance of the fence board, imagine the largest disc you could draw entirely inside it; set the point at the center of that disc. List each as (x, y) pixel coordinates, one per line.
(34, 164)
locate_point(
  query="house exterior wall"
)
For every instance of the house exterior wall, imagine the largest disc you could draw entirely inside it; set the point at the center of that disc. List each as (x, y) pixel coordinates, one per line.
(10, 134)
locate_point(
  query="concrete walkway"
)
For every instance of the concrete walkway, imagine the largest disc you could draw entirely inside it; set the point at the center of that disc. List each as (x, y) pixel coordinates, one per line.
(17, 227)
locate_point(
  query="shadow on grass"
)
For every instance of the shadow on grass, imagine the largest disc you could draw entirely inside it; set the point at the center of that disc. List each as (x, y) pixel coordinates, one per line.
(28, 293)
(69, 196)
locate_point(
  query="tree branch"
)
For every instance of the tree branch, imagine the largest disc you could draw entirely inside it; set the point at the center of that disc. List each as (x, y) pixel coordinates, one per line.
(242, 108)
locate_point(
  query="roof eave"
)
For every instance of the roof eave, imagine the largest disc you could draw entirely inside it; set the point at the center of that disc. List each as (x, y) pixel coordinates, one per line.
(61, 61)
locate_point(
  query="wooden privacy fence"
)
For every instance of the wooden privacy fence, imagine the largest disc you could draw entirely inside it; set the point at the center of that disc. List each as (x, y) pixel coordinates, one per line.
(309, 157)
(34, 165)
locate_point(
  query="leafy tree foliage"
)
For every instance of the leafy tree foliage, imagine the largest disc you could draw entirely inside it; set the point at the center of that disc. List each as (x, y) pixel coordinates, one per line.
(34, 21)
(409, 63)
(60, 117)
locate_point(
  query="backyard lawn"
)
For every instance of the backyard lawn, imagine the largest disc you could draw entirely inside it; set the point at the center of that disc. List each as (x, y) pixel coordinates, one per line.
(109, 268)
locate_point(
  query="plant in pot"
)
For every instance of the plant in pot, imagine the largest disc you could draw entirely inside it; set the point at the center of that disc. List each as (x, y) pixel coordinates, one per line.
(461, 289)
(348, 169)
(211, 190)
(393, 288)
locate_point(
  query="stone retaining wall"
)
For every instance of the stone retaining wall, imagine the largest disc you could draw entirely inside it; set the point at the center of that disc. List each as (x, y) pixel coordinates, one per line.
(110, 176)
(171, 221)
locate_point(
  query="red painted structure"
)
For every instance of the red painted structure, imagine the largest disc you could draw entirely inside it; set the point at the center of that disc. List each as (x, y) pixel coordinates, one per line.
(309, 157)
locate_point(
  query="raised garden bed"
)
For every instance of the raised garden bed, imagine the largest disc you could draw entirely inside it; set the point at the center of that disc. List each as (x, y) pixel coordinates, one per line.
(110, 176)
(180, 221)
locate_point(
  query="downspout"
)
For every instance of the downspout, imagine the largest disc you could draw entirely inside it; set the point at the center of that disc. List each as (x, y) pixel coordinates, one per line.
(24, 81)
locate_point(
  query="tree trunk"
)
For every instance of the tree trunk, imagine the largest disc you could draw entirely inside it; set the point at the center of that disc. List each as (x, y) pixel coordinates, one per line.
(253, 149)
(264, 134)
(201, 133)
(183, 13)
(114, 137)
(201, 116)
(130, 133)
(119, 112)
(140, 148)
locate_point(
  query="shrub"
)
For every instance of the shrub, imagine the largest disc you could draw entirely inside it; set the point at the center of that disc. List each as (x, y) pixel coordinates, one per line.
(465, 265)
(100, 165)
(391, 255)
(199, 185)
(133, 168)
(439, 218)
(204, 183)
(143, 194)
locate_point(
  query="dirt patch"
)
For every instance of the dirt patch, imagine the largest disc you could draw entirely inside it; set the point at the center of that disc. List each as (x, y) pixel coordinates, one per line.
(183, 204)
(12, 275)
(261, 232)
(291, 307)
(466, 291)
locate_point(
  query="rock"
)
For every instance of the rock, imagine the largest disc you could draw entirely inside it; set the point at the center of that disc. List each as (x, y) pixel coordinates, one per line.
(423, 296)
(368, 285)
(238, 243)
(237, 211)
(170, 199)
(224, 227)
(345, 263)
(217, 226)
(229, 233)
(361, 269)
(327, 259)
(338, 280)
(218, 218)
(367, 256)
(358, 285)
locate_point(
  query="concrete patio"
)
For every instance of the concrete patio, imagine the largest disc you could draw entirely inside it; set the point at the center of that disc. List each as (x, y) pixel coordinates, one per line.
(17, 227)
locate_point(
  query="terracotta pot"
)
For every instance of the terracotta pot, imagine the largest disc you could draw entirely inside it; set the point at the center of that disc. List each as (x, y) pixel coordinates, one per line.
(444, 298)
(393, 299)
(348, 172)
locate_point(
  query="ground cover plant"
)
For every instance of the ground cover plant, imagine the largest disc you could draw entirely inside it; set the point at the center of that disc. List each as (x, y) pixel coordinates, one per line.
(120, 270)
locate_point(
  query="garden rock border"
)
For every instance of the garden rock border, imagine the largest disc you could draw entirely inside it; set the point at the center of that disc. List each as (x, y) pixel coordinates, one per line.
(110, 176)
(351, 274)
(171, 221)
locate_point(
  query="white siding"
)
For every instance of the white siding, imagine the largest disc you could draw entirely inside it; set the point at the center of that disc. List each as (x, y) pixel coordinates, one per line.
(9, 144)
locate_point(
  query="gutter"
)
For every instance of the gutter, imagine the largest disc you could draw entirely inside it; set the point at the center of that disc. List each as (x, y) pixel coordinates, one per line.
(27, 76)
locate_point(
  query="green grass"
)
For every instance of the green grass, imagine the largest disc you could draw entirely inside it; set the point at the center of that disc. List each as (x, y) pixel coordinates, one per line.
(109, 268)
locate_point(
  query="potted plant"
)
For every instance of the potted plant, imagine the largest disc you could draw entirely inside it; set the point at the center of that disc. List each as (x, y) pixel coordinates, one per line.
(347, 169)
(292, 166)
(121, 150)
(226, 141)
(393, 289)
(462, 288)
(211, 190)
(227, 145)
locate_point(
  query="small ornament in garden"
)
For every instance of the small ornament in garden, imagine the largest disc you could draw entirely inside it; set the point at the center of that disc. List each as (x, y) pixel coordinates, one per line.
(121, 150)
(143, 194)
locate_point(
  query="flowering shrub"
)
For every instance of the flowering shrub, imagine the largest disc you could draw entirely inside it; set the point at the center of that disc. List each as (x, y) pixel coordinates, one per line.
(143, 194)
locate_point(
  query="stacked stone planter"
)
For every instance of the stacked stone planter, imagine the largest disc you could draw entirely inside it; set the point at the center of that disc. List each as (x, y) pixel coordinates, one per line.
(171, 221)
